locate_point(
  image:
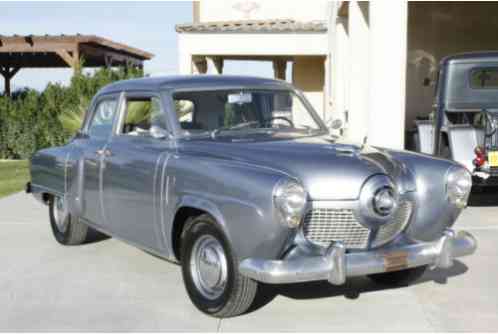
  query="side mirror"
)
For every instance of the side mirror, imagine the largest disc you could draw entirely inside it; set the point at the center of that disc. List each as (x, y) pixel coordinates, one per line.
(158, 132)
(336, 120)
(336, 124)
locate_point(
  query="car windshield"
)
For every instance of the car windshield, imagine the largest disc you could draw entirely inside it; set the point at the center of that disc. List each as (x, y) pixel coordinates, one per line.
(235, 112)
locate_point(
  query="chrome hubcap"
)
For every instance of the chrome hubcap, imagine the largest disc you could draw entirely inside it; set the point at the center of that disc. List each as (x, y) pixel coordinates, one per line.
(60, 214)
(208, 267)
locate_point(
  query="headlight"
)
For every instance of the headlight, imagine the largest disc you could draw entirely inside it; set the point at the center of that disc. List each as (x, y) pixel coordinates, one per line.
(458, 185)
(289, 198)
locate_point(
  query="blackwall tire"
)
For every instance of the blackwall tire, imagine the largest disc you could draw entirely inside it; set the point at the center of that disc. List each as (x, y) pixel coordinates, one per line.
(73, 233)
(210, 271)
(399, 278)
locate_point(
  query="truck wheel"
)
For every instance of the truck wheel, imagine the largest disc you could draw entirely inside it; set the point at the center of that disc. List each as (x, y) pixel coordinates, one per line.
(210, 271)
(399, 278)
(67, 229)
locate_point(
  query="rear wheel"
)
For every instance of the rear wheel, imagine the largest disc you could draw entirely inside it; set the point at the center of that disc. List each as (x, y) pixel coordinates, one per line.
(210, 271)
(67, 229)
(400, 278)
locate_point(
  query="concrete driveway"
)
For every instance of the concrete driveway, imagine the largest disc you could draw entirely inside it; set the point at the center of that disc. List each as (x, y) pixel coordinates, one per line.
(107, 285)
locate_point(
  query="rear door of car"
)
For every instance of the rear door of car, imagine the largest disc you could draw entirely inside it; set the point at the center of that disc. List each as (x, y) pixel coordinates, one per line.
(132, 170)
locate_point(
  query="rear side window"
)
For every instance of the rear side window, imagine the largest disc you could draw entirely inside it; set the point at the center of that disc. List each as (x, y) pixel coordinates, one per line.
(103, 119)
(485, 77)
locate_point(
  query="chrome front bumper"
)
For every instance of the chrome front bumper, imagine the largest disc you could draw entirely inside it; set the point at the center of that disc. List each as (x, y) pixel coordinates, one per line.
(336, 265)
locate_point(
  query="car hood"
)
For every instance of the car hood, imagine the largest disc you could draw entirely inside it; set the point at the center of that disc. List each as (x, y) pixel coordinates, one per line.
(330, 169)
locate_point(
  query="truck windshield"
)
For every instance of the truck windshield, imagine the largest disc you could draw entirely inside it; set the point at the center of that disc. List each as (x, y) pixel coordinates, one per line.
(237, 111)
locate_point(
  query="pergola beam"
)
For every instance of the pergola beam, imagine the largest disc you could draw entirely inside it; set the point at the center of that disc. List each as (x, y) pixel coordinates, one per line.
(36, 51)
(72, 60)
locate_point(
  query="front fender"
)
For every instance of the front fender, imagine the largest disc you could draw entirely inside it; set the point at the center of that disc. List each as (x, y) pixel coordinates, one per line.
(433, 211)
(203, 204)
(238, 196)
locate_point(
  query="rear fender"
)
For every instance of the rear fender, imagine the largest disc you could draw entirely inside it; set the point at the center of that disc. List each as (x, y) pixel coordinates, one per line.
(425, 140)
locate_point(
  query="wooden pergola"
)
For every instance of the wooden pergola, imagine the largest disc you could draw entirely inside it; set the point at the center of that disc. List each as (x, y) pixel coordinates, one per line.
(48, 51)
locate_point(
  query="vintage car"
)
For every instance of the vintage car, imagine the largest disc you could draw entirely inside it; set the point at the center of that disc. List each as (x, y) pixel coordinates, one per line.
(239, 180)
(465, 118)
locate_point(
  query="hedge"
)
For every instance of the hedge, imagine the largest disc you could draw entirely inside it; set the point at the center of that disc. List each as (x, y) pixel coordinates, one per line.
(31, 120)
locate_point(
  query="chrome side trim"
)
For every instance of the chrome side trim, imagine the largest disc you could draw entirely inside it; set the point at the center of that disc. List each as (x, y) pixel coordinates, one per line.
(335, 265)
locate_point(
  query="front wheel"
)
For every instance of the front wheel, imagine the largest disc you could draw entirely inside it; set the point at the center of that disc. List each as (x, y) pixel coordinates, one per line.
(210, 271)
(399, 278)
(67, 229)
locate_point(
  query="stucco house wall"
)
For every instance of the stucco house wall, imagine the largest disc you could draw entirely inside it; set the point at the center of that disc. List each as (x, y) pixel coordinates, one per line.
(375, 65)
(229, 10)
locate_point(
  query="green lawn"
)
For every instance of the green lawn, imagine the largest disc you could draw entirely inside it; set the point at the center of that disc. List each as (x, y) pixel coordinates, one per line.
(13, 176)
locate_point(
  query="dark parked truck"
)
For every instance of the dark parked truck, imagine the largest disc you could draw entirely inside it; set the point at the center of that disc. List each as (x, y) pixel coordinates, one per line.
(465, 118)
(238, 180)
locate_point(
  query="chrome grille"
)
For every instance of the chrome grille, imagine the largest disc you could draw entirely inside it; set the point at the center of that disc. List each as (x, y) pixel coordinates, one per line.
(389, 231)
(323, 225)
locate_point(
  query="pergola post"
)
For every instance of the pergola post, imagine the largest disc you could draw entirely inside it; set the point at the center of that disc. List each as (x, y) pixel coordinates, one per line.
(279, 68)
(8, 73)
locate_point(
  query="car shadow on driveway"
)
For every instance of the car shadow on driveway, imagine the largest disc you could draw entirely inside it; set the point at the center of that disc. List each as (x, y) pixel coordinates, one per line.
(353, 288)
(95, 236)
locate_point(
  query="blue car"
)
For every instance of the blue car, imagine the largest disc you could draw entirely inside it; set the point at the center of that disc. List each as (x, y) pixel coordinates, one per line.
(239, 181)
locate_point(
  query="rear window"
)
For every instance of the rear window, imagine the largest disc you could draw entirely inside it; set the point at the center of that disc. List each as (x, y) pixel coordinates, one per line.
(486, 77)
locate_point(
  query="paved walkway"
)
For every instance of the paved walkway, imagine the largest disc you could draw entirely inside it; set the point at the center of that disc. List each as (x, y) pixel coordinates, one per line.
(108, 285)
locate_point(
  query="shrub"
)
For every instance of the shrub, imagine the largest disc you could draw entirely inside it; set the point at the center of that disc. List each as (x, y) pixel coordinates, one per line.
(31, 120)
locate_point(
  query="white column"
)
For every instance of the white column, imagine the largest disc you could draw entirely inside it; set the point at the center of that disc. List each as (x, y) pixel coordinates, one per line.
(184, 56)
(340, 71)
(326, 88)
(388, 43)
(359, 71)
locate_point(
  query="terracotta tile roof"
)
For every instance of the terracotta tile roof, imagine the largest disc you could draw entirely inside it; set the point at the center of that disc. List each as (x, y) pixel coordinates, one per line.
(253, 26)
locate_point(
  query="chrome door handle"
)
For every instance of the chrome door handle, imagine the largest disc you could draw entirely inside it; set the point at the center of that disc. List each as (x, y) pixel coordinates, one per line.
(103, 152)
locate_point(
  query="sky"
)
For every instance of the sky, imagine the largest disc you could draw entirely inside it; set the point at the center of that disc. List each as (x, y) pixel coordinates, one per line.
(149, 26)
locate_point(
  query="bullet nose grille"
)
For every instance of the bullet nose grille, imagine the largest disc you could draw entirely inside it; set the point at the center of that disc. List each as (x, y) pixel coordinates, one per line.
(389, 231)
(324, 225)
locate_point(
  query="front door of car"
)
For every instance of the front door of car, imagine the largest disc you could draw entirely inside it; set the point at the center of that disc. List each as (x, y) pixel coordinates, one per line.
(93, 149)
(131, 172)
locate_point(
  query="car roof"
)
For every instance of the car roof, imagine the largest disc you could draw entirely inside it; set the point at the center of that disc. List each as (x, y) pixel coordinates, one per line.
(193, 82)
(471, 57)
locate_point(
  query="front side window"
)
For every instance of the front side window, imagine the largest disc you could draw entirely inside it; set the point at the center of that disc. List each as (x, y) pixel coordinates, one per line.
(103, 119)
(244, 110)
(185, 113)
(141, 115)
(486, 77)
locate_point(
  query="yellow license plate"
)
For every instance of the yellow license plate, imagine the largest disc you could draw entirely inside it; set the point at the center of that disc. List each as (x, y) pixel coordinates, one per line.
(493, 159)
